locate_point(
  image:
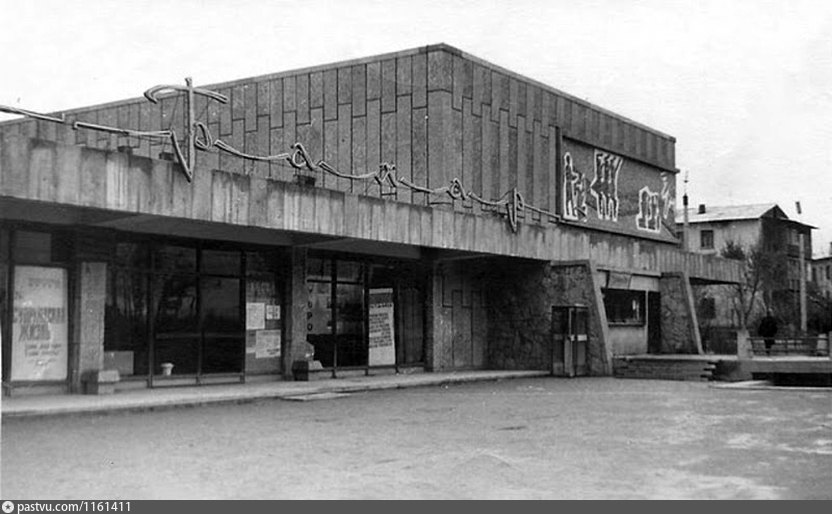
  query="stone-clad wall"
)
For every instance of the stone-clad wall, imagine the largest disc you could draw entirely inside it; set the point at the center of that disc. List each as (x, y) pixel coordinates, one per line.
(520, 298)
(519, 318)
(679, 325)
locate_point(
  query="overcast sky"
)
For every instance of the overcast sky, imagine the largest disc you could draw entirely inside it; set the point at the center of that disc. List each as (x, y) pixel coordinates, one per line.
(744, 86)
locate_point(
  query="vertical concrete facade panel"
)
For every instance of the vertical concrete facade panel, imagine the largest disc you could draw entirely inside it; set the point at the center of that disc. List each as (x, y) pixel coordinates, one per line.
(90, 299)
(295, 323)
(514, 104)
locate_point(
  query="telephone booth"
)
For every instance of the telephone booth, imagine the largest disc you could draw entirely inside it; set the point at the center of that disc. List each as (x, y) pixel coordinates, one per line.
(570, 326)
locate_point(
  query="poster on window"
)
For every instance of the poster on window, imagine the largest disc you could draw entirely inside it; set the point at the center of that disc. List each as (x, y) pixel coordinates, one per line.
(382, 328)
(39, 324)
(267, 344)
(255, 315)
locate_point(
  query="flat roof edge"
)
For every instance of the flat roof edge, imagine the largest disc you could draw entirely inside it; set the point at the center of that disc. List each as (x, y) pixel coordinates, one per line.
(443, 47)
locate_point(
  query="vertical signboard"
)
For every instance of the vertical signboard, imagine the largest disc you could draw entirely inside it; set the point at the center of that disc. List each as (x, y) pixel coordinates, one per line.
(382, 339)
(39, 324)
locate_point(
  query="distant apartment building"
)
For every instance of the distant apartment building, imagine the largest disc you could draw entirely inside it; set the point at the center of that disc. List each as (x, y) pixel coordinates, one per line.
(761, 228)
(822, 275)
(820, 297)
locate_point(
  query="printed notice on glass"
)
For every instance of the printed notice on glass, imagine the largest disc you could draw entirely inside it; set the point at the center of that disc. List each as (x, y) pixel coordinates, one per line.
(39, 326)
(382, 328)
(255, 316)
(267, 344)
(272, 312)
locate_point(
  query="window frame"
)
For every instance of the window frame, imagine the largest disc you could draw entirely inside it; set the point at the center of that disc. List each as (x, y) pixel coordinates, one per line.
(626, 295)
(706, 239)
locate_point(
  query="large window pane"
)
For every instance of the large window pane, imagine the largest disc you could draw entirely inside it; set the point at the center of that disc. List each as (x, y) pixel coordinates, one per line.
(176, 339)
(32, 247)
(181, 352)
(125, 323)
(624, 306)
(222, 355)
(262, 262)
(318, 269)
(221, 305)
(175, 304)
(349, 317)
(219, 262)
(133, 255)
(349, 325)
(319, 321)
(350, 271)
(4, 245)
(175, 258)
(411, 317)
(319, 308)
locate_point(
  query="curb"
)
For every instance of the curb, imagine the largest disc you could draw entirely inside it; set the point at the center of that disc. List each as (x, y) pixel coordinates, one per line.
(240, 396)
(765, 385)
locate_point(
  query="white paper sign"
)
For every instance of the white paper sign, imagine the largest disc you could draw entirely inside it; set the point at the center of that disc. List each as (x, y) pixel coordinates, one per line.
(39, 326)
(267, 344)
(272, 312)
(255, 315)
(382, 328)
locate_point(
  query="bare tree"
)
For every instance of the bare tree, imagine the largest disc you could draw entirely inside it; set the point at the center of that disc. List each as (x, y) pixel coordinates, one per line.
(765, 273)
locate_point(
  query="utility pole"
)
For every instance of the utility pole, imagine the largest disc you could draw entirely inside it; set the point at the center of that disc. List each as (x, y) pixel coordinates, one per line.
(803, 320)
(802, 254)
(685, 234)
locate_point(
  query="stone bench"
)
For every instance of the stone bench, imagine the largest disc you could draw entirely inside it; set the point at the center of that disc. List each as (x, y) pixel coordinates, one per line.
(100, 382)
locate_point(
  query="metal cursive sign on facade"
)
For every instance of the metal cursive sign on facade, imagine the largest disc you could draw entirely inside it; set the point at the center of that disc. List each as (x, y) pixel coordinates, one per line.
(199, 137)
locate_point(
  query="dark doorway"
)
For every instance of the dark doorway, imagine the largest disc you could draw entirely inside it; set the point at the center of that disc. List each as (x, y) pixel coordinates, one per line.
(654, 322)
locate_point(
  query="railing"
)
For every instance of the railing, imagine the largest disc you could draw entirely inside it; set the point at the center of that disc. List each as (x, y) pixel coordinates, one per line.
(814, 346)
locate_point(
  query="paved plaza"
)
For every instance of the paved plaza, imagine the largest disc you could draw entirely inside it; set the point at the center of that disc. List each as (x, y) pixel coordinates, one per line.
(530, 438)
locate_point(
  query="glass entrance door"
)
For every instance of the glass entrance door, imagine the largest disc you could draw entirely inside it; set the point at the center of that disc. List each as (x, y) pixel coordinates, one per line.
(197, 321)
(336, 312)
(223, 337)
(176, 338)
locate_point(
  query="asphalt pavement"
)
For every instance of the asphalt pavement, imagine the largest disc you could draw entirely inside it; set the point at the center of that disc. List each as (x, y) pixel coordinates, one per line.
(528, 438)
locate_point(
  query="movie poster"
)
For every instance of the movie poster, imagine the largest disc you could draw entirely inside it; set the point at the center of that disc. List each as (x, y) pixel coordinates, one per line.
(382, 328)
(39, 324)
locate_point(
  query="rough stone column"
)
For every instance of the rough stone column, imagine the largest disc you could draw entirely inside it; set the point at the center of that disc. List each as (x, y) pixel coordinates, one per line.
(680, 327)
(91, 299)
(295, 323)
(577, 284)
(521, 297)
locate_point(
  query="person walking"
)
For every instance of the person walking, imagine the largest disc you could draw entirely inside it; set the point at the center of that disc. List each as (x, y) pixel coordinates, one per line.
(767, 330)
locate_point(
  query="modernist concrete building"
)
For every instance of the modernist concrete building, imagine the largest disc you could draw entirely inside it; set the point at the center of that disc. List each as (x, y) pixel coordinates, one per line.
(420, 210)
